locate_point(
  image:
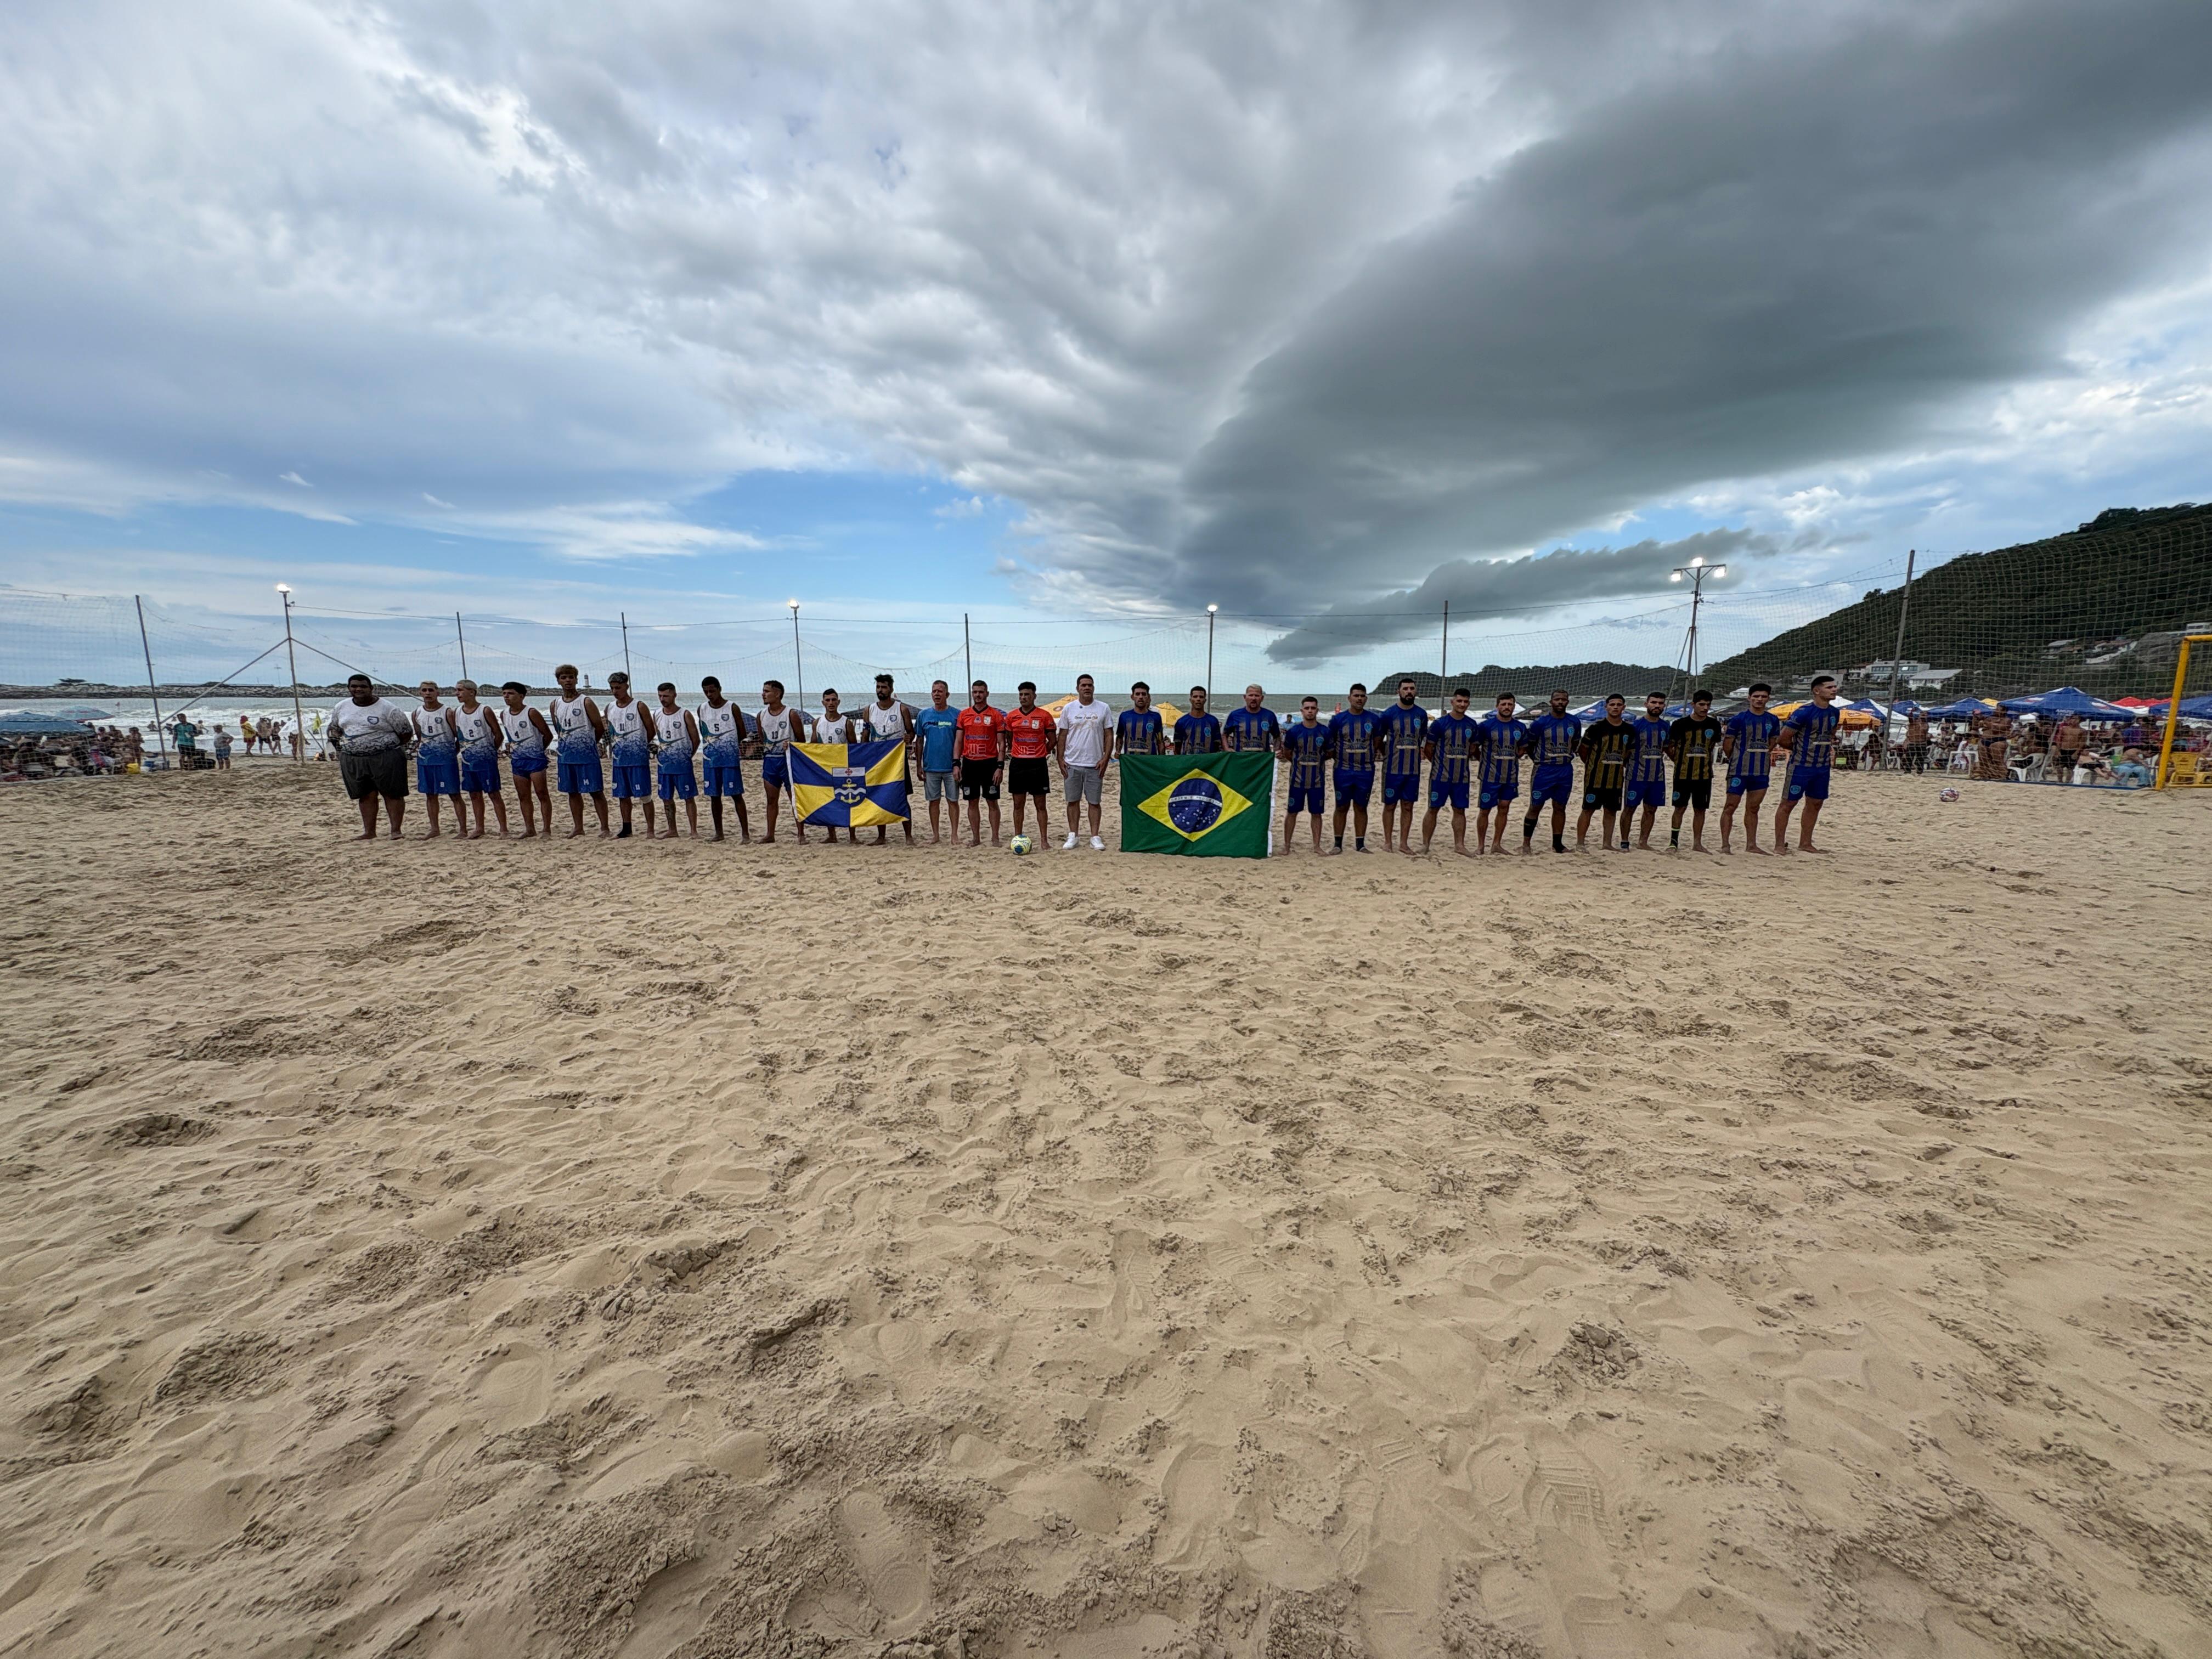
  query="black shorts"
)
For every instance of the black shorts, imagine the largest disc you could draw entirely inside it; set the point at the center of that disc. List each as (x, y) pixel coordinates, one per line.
(1694, 792)
(979, 780)
(380, 771)
(1029, 777)
(1602, 795)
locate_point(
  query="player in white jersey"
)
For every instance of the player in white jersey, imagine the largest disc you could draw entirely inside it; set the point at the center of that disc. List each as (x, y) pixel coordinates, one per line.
(721, 727)
(832, 725)
(675, 735)
(777, 727)
(629, 752)
(527, 738)
(577, 729)
(478, 735)
(437, 763)
(887, 718)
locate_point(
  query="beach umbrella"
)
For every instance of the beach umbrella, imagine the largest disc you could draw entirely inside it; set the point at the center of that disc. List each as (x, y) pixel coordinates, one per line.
(2137, 702)
(25, 724)
(2067, 700)
(1965, 708)
(2192, 709)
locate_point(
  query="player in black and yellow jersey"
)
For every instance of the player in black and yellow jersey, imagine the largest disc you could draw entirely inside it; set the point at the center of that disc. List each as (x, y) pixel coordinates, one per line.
(1691, 744)
(1608, 746)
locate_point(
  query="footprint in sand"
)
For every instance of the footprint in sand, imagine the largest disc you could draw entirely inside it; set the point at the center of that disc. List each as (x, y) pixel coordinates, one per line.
(1192, 1491)
(1566, 1501)
(512, 1388)
(894, 1567)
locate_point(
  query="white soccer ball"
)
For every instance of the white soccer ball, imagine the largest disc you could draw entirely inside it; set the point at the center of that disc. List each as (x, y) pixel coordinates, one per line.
(1948, 794)
(1021, 844)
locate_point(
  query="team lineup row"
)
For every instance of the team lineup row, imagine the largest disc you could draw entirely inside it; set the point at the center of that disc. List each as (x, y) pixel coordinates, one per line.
(667, 752)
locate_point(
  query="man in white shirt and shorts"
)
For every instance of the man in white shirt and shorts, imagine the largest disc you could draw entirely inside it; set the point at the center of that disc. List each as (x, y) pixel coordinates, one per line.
(371, 736)
(1085, 727)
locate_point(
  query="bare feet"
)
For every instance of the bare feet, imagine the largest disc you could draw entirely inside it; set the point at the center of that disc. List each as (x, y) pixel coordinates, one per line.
(365, 835)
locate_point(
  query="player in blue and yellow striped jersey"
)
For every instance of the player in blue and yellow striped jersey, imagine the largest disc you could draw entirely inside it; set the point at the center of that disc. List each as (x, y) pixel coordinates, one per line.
(1810, 735)
(1353, 735)
(1404, 729)
(1305, 749)
(1502, 739)
(1139, 730)
(1450, 747)
(1647, 768)
(1746, 742)
(1554, 739)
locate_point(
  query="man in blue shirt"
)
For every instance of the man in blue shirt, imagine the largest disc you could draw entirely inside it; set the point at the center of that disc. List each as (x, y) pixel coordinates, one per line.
(1647, 767)
(1198, 732)
(1450, 747)
(1139, 729)
(1553, 741)
(1746, 738)
(937, 737)
(1353, 734)
(1404, 731)
(1500, 739)
(1254, 726)
(1305, 747)
(1810, 738)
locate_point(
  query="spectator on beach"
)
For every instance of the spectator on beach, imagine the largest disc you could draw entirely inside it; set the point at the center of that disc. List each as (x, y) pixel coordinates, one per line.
(222, 749)
(1992, 736)
(2129, 772)
(2066, 746)
(1914, 758)
(187, 737)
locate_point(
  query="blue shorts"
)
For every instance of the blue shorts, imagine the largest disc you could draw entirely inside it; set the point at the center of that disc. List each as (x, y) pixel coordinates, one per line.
(1553, 785)
(729, 780)
(480, 776)
(775, 772)
(1401, 786)
(1498, 794)
(1652, 793)
(526, 762)
(437, 777)
(1809, 782)
(1307, 799)
(677, 782)
(1354, 788)
(633, 782)
(1740, 785)
(1454, 793)
(578, 777)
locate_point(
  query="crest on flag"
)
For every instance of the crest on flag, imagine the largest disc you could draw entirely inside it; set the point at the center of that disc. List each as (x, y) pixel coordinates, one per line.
(848, 784)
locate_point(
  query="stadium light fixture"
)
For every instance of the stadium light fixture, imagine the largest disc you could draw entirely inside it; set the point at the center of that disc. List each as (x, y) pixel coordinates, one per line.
(1695, 563)
(284, 587)
(1674, 576)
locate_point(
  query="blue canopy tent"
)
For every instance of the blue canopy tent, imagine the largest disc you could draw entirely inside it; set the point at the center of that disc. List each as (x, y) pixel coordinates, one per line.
(2067, 700)
(1965, 708)
(2192, 709)
(28, 724)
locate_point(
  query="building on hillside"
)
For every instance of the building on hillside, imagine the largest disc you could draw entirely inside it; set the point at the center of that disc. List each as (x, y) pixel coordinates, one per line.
(1908, 671)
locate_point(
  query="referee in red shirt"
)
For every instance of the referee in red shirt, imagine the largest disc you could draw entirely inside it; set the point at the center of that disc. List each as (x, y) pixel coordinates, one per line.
(982, 736)
(1028, 741)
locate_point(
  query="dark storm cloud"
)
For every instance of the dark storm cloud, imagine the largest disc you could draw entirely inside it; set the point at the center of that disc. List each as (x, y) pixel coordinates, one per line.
(1788, 255)
(1476, 588)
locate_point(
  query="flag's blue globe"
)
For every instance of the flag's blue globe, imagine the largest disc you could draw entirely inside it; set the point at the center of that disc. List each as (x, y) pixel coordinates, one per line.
(1195, 806)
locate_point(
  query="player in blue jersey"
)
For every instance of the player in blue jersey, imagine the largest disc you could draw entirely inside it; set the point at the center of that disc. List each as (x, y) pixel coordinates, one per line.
(1404, 731)
(937, 741)
(1502, 739)
(1810, 735)
(1608, 746)
(1747, 737)
(1198, 732)
(1354, 733)
(1137, 730)
(1647, 768)
(1553, 741)
(1254, 726)
(1305, 749)
(675, 739)
(630, 752)
(1450, 747)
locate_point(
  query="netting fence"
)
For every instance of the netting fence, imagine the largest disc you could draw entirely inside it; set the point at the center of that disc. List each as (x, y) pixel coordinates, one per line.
(2103, 610)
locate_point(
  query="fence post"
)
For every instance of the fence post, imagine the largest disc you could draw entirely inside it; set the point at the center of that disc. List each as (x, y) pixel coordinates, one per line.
(1443, 657)
(967, 653)
(1897, 651)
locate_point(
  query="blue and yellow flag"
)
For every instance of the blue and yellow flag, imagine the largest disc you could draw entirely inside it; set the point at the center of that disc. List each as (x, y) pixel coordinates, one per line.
(849, 783)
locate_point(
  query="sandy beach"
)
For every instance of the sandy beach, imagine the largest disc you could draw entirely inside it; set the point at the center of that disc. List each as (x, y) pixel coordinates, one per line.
(610, 1249)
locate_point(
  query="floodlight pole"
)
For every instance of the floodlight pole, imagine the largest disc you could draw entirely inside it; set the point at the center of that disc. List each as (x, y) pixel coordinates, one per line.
(160, 737)
(1695, 574)
(1443, 655)
(463, 642)
(967, 651)
(299, 717)
(797, 661)
(624, 616)
(1897, 651)
(1210, 609)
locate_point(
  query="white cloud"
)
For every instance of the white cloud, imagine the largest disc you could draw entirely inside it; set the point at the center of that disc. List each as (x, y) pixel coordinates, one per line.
(293, 478)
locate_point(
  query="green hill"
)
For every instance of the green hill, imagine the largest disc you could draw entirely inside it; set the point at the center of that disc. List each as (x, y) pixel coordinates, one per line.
(2101, 607)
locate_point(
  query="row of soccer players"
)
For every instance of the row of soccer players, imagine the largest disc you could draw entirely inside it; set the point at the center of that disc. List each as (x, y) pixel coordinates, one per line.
(1625, 761)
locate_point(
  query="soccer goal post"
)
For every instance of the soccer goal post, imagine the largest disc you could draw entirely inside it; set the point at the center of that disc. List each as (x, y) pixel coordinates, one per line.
(2184, 768)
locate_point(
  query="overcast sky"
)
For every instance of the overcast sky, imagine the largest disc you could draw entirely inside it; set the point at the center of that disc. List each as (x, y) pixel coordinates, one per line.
(1308, 309)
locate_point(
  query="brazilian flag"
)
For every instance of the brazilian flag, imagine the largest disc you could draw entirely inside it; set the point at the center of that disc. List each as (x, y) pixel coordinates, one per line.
(1211, 805)
(849, 783)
